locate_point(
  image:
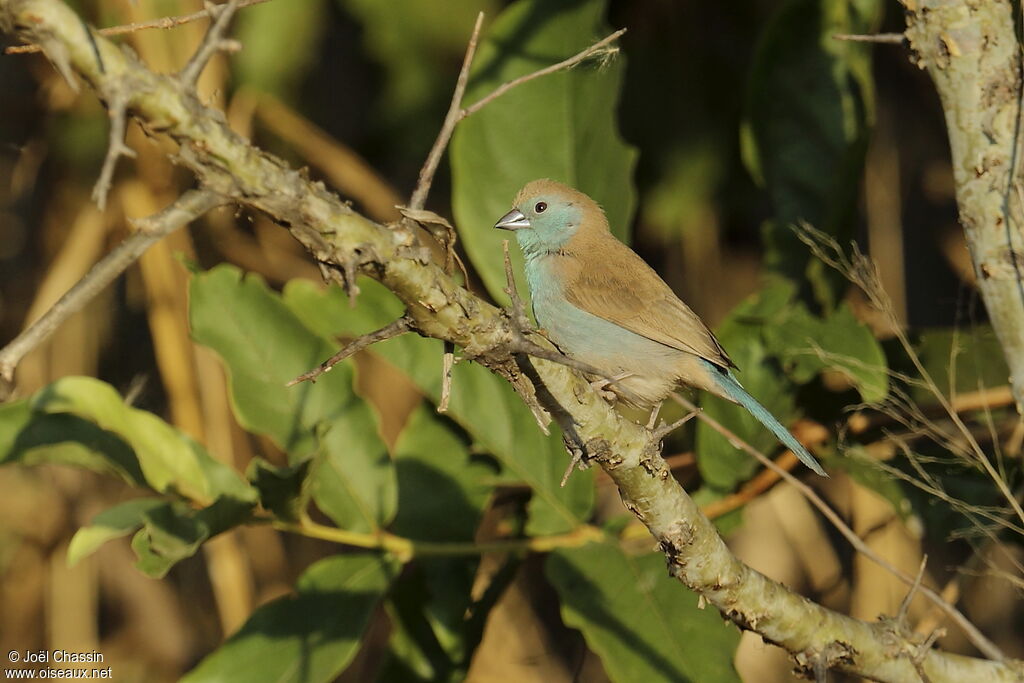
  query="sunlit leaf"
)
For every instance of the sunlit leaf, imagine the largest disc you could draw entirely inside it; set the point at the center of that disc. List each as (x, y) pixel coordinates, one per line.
(112, 523)
(264, 345)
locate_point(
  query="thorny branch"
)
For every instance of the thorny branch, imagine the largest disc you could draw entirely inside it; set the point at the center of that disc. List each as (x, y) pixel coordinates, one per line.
(389, 331)
(438, 307)
(161, 23)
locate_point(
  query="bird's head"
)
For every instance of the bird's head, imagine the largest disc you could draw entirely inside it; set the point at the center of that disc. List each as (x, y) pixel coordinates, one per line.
(546, 214)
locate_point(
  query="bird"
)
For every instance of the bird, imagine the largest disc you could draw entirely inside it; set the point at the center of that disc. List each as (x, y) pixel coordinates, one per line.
(603, 305)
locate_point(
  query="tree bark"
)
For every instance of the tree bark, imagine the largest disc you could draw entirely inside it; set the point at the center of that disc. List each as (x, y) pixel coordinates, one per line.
(970, 49)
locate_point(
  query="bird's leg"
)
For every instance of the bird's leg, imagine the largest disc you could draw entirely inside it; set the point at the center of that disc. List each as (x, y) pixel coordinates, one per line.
(599, 385)
(654, 415)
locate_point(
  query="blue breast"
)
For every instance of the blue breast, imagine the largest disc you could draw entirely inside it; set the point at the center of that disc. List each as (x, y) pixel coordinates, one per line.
(585, 336)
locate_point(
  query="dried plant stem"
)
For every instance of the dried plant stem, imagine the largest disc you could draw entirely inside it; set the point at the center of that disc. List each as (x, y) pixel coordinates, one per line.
(970, 630)
(187, 208)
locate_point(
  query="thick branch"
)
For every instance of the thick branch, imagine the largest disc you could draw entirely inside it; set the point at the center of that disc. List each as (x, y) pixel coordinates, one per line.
(440, 308)
(970, 49)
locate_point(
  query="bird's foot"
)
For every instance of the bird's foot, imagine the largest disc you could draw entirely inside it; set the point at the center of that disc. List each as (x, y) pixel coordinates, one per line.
(601, 386)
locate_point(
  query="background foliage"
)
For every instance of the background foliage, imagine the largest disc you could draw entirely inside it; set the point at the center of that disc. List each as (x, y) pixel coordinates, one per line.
(261, 506)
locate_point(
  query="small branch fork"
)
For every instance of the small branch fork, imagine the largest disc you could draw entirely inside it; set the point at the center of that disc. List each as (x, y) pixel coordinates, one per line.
(212, 43)
(186, 209)
(456, 112)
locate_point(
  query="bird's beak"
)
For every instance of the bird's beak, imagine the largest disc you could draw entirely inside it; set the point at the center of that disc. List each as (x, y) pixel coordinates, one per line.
(513, 220)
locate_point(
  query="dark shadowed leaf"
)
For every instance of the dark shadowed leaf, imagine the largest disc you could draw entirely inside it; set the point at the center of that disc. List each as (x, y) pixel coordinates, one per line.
(809, 106)
(561, 126)
(644, 625)
(308, 637)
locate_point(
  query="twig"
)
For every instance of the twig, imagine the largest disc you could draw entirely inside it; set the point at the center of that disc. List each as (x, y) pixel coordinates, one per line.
(901, 615)
(406, 548)
(600, 46)
(983, 644)
(212, 41)
(389, 331)
(885, 38)
(163, 22)
(457, 113)
(451, 119)
(187, 208)
(118, 113)
(448, 360)
(518, 310)
(664, 430)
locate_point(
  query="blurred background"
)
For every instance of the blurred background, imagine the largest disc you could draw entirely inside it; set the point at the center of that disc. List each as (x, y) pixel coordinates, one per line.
(355, 90)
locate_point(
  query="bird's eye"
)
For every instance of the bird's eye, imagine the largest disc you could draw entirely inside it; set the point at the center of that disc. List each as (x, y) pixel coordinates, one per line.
(540, 207)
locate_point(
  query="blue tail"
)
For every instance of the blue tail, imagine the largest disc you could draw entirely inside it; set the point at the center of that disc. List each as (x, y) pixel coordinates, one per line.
(735, 391)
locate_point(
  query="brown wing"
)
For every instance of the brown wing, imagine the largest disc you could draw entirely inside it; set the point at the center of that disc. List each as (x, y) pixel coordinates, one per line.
(627, 292)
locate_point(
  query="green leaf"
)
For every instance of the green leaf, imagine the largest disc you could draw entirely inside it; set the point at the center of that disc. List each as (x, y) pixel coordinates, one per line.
(271, 33)
(115, 522)
(561, 126)
(442, 495)
(977, 354)
(31, 438)
(810, 104)
(283, 490)
(441, 492)
(174, 531)
(264, 345)
(481, 403)
(309, 637)
(170, 461)
(643, 625)
(807, 345)
(721, 464)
